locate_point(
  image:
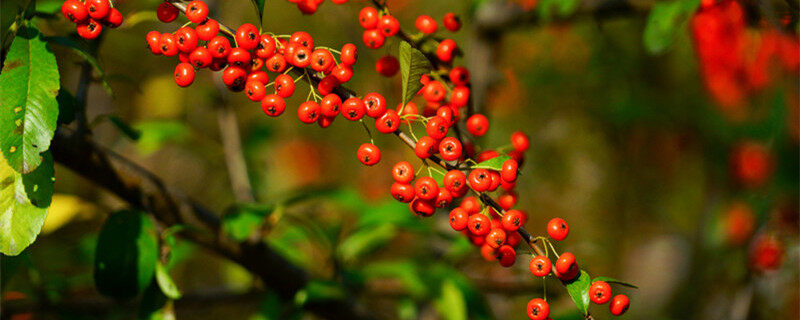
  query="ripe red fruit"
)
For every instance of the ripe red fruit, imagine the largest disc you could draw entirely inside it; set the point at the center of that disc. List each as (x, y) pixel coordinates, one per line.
(446, 112)
(426, 147)
(480, 180)
(558, 229)
(751, 164)
(619, 304)
(443, 199)
(426, 24)
(369, 154)
(353, 109)
(402, 192)
(389, 122)
(235, 78)
(321, 60)
(520, 141)
(422, 207)
(184, 74)
(342, 72)
(512, 220)
(388, 25)
(459, 96)
(426, 188)
(166, 12)
(509, 170)
(455, 181)
(458, 219)
(186, 39)
(200, 58)
(566, 267)
(168, 44)
(434, 91)
(90, 29)
(273, 105)
(98, 9)
(375, 104)
(540, 266)
(409, 109)
(207, 30)
(477, 125)
(373, 38)
(197, 11)
(75, 11)
(450, 149)
(113, 19)
(255, 90)
(437, 127)
(600, 292)
(368, 18)
(219, 47)
(445, 50)
(538, 309)
(479, 224)
(452, 22)
(496, 238)
(327, 85)
(387, 66)
(459, 76)
(331, 105)
(276, 63)
(471, 205)
(284, 85)
(247, 36)
(302, 38)
(766, 253)
(308, 112)
(739, 222)
(300, 57)
(349, 54)
(507, 201)
(266, 46)
(403, 172)
(506, 255)
(261, 76)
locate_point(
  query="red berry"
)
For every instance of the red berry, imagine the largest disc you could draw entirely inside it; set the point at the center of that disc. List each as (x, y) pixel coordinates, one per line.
(566, 267)
(434, 91)
(506, 255)
(619, 304)
(168, 44)
(459, 76)
(512, 220)
(197, 11)
(540, 266)
(459, 97)
(558, 229)
(445, 50)
(113, 19)
(479, 224)
(90, 29)
(276, 63)
(375, 104)
(353, 109)
(301, 57)
(458, 219)
(255, 90)
(153, 42)
(450, 149)
(496, 238)
(184, 74)
(471, 205)
(331, 105)
(166, 12)
(452, 22)
(520, 141)
(368, 18)
(327, 85)
(402, 192)
(480, 180)
(426, 24)
(342, 72)
(75, 11)
(387, 66)
(455, 181)
(273, 105)
(235, 78)
(409, 109)
(389, 122)
(507, 201)
(444, 198)
(321, 60)
(477, 125)
(266, 46)
(766, 253)
(437, 128)
(98, 9)
(207, 30)
(260, 76)
(422, 207)
(600, 292)
(219, 47)
(509, 170)
(388, 25)
(186, 39)
(247, 36)
(403, 172)
(284, 85)
(369, 154)
(349, 54)
(426, 188)
(426, 147)
(302, 38)
(538, 309)
(308, 112)
(373, 38)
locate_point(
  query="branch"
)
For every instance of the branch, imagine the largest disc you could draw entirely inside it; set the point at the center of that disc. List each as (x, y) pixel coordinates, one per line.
(143, 190)
(234, 156)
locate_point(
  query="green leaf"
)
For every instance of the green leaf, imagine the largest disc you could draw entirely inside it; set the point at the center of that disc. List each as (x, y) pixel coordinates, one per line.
(612, 280)
(665, 22)
(320, 290)
(125, 128)
(126, 254)
(413, 64)
(451, 303)
(39, 183)
(20, 220)
(495, 163)
(165, 282)
(259, 4)
(364, 241)
(28, 107)
(578, 290)
(66, 106)
(83, 51)
(241, 221)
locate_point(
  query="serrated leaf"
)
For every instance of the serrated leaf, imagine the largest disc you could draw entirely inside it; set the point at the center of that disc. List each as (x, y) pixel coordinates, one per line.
(39, 183)
(365, 240)
(259, 4)
(665, 22)
(578, 290)
(413, 64)
(20, 220)
(612, 280)
(451, 303)
(83, 51)
(495, 163)
(165, 282)
(126, 254)
(29, 84)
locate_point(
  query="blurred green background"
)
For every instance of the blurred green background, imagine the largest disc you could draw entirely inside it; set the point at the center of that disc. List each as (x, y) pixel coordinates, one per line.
(627, 146)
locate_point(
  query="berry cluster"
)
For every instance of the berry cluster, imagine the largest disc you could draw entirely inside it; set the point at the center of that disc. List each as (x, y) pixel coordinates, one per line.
(244, 61)
(379, 25)
(90, 16)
